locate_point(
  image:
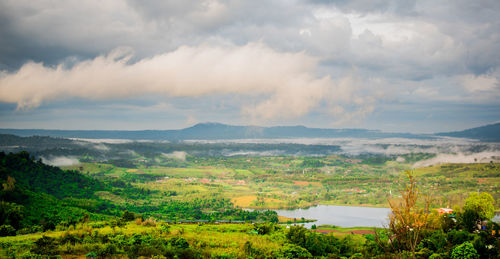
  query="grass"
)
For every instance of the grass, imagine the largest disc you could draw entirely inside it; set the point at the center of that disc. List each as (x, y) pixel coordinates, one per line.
(215, 240)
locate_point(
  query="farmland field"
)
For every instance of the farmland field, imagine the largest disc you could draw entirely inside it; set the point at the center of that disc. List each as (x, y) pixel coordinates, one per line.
(288, 182)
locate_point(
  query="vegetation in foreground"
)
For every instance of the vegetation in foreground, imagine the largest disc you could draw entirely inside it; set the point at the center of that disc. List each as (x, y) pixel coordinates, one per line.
(47, 212)
(440, 237)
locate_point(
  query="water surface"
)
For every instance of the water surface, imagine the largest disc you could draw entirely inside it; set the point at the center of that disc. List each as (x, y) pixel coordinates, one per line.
(342, 216)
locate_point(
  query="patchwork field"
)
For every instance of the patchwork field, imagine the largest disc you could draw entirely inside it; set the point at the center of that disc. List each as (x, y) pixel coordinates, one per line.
(291, 182)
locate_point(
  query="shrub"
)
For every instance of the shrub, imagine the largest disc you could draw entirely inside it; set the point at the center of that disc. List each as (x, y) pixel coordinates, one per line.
(436, 256)
(128, 215)
(179, 242)
(294, 251)
(164, 228)
(251, 251)
(45, 246)
(297, 235)
(456, 237)
(7, 230)
(464, 251)
(264, 228)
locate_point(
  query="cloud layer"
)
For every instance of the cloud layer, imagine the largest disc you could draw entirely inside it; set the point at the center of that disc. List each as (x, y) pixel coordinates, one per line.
(481, 157)
(343, 62)
(60, 160)
(288, 79)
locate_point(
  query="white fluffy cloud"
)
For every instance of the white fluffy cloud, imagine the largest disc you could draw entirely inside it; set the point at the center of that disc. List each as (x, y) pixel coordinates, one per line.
(254, 69)
(480, 83)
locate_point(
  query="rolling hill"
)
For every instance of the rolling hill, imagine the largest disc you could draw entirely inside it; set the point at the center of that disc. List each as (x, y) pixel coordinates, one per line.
(489, 132)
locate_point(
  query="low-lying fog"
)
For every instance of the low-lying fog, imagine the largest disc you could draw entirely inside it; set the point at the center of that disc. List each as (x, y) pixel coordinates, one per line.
(61, 152)
(446, 149)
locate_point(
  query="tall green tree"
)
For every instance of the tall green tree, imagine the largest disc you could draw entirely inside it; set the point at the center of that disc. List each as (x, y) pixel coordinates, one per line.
(482, 204)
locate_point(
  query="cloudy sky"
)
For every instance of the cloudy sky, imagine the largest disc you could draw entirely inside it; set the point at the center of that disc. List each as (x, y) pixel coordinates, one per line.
(402, 65)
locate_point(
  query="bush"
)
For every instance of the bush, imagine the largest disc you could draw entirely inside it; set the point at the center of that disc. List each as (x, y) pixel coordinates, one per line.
(456, 237)
(164, 228)
(297, 235)
(128, 215)
(45, 246)
(179, 242)
(294, 251)
(464, 251)
(437, 256)
(264, 228)
(436, 242)
(7, 230)
(250, 251)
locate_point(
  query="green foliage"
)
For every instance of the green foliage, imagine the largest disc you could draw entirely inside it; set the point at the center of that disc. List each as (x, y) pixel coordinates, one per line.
(437, 256)
(11, 214)
(469, 219)
(27, 207)
(250, 251)
(7, 230)
(293, 251)
(482, 204)
(464, 251)
(265, 228)
(311, 163)
(297, 235)
(435, 242)
(456, 237)
(45, 178)
(179, 242)
(45, 246)
(318, 244)
(164, 228)
(128, 216)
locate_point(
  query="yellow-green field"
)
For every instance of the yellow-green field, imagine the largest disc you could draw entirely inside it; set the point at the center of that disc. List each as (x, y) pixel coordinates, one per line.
(281, 182)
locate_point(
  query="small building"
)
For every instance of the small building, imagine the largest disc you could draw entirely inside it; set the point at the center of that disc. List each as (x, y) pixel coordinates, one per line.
(444, 211)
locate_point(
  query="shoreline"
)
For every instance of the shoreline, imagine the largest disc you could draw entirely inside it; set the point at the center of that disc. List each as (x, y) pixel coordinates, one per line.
(314, 205)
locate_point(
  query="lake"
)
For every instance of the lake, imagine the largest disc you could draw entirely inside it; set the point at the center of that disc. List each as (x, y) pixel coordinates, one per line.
(342, 216)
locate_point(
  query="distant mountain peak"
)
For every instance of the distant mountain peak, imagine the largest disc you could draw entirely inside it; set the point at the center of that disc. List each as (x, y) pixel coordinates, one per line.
(208, 124)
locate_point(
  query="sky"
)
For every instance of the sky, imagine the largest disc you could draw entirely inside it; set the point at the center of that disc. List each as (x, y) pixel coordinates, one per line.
(397, 66)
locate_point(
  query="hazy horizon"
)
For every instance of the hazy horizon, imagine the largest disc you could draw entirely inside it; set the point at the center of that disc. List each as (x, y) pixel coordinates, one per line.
(239, 125)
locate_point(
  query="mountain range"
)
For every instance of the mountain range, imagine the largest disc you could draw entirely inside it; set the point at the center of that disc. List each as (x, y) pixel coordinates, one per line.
(219, 131)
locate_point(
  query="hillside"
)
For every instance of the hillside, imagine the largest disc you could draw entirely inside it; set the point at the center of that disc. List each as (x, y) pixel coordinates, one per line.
(38, 195)
(484, 133)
